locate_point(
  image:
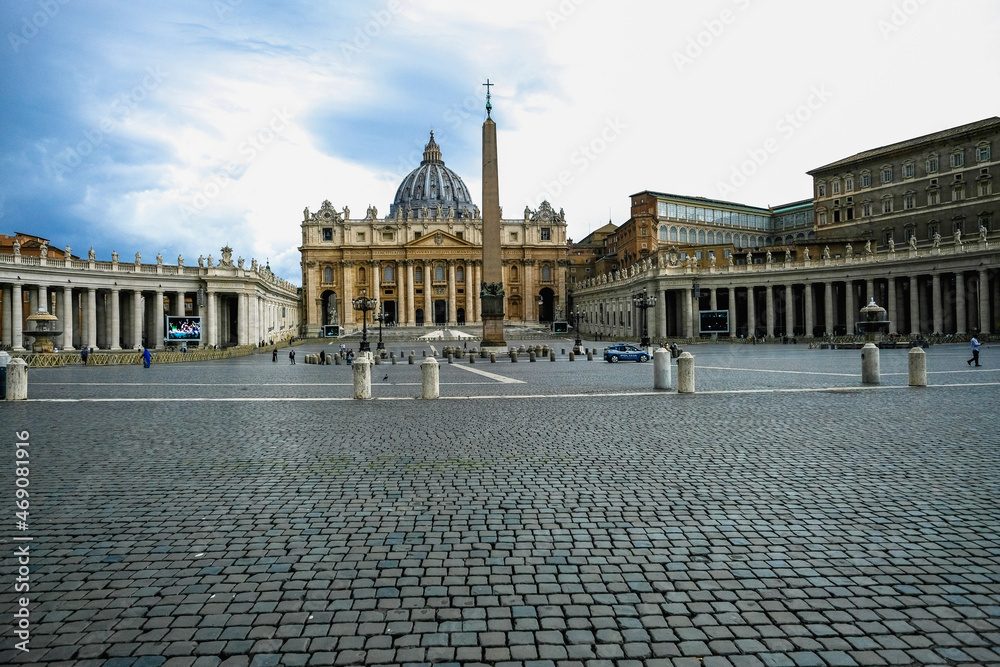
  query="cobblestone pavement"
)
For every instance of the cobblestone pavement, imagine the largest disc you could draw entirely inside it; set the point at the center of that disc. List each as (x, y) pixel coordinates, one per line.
(783, 515)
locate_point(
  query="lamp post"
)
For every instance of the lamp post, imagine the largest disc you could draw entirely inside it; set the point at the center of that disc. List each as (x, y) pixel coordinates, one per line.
(578, 343)
(644, 301)
(381, 319)
(364, 304)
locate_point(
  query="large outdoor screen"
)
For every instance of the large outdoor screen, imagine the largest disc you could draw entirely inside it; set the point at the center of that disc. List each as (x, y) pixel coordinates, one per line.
(714, 321)
(183, 328)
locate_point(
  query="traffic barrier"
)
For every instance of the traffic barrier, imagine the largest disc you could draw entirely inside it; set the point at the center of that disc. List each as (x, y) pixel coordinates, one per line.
(429, 378)
(661, 369)
(17, 380)
(685, 373)
(870, 364)
(917, 359)
(362, 378)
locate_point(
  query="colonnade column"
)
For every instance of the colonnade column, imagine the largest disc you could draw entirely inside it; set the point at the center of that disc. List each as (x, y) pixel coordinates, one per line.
(686, 303)
(16, 315)
(789, 310)
(937, 312)
(116, 320)
(713, 304)
(158, 325)
(960, 311)
(656, 327)
(67, 315)
(984, 302)
(136, 318)
(850, 307)
(914, 305)
(751, 313)
(828, 308)
(477, 286)
(91, 340)
(769, 309)
(452, 296)
(376, 285)
(810, 323)
(5, 335)
(179, 304)
(241, 319)
(890, 306)
(210, 326)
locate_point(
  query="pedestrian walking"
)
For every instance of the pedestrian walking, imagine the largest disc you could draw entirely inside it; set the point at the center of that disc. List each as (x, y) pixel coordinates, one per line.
(147, 358)
(274, 355)
(291, 357)
(974, 343)
(84, 353)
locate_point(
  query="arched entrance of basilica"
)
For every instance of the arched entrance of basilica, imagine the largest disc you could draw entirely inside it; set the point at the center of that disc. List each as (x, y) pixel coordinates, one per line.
(330, 312)
(440, 311)
(546, 306)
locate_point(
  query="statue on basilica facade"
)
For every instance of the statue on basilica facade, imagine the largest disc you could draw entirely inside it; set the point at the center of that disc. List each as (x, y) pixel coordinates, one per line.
(138, 258)
(805, 253)
(91, 255)
(159, 259)
(180, 260)
(826, 252)
(958, 237)
(209, 262)
(892, 245)
(768, 258)
(982, 233)
(44, 250)
(201, 261)
(913, 242)
(17, 248)
(849, 251)
(936, 242)
(239, 262)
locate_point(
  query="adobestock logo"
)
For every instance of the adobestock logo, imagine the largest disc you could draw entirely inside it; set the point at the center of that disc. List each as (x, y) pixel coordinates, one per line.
(704, 39)
(30, 25)
(582, 158)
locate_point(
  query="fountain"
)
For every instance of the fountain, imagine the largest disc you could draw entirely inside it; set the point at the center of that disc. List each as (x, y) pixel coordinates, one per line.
(45, 328)
(873, 320)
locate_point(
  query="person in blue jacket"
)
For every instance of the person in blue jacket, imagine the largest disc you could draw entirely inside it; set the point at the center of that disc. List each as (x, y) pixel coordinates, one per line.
(147, 358)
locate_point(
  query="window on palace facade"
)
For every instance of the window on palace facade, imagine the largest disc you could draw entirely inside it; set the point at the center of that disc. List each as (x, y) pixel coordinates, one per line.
(836, 187)
(328, 233)
(418, 275)
(663, 233)
(821, 189)
(907, 170)
(932, 229)
(985, 188)
(546, 233)
(933, 197)
(958, 225)
(387, 275)
(886, 236)
(958, 158)
(866, 179)
(887, 204)
(546, 273)
(984, 221)
(416, 235)
(983, 152)
(328, 275)
(909, 233)
(886, 174)
(909, 200)
(439, 273)
(932, 164)
(958, 192)
(849, 183)
(460, 274)
(661, 209)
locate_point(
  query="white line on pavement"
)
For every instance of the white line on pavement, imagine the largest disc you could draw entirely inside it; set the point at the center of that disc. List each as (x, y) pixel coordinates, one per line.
(499, 378)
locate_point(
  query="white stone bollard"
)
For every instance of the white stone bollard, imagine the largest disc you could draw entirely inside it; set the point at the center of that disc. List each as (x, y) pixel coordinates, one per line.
(429, 374)
(661, 369)
(685, 373)
(17, 380)
(362, 377)
(870, 364)
(918, 367)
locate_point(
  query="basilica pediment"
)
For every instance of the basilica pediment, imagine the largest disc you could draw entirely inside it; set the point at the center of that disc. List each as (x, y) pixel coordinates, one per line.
(439, 239)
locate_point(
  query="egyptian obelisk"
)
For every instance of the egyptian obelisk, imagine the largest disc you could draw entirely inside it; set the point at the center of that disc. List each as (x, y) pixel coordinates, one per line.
(491, 291)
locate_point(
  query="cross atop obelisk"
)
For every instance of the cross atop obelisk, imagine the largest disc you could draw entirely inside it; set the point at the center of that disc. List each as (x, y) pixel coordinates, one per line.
(491, 292)
(489, 107)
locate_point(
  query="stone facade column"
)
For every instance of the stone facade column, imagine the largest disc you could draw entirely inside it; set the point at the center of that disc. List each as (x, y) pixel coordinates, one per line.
(477, 285)
(828, 310)
(348, 270)
(179, 298)
(17, 318)
(937, 312)
(376, 285)
(530, 299)
(115, 332)
(769, 309)
(562, 300)
(159, 322)
(136, 318)
(687, 305)
(32, 301)
(960, 307)
(751, 313)
(411, 292)
(789, 310)
(850, 307)
(984, 303)
(914, 305)
(66, 315)
(470, 302)
(452, 294)
(401, 289)
(810, 323)
(6, 334)
(731, 293)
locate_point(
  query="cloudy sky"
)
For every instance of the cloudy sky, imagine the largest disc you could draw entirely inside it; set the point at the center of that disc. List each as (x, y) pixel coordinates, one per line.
(178, 127)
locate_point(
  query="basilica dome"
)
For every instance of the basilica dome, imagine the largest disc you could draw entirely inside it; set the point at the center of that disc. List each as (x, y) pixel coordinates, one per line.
(432, 185)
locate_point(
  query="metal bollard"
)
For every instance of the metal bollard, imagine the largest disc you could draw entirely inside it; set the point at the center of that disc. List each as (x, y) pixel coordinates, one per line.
(918, 367)
(17, 380)
(685, 373)
(661, 369)
(870, 364)
(362, 378)
(429, 378)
